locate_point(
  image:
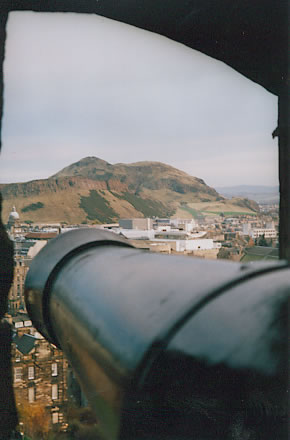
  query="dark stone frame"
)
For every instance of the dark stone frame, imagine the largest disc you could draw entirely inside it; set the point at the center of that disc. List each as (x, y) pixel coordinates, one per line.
(249, 36)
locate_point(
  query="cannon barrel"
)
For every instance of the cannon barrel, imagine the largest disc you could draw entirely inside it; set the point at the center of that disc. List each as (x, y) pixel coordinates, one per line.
(151, 336)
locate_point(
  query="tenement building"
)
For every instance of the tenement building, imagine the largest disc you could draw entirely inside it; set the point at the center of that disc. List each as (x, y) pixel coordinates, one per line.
(40, 372)
(16, 293)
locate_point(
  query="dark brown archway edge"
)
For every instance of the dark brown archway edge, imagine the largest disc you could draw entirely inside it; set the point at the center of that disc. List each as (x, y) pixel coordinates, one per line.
(250, 36)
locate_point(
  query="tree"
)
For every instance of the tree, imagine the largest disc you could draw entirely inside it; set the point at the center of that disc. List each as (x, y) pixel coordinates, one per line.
(261, 241)
(224, 254)
(35, 420)
(83, 424)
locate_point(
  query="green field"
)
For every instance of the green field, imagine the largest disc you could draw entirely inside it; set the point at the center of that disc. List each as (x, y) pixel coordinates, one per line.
(248, 258)
(194, 212)
(229, 213)
(201, 213)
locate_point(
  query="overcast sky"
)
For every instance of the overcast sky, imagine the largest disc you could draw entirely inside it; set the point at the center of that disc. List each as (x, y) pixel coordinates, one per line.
(79, 85)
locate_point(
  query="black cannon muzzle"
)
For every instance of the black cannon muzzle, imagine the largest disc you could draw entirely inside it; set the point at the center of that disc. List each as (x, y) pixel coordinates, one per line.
(164, 347)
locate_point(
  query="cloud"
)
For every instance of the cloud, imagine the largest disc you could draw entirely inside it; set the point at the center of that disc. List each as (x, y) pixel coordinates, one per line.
(91, 86)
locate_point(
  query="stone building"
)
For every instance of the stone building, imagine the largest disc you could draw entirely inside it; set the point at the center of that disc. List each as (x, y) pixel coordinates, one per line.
(16, 293)
(24, 252)
(13, 224)
(39, 371)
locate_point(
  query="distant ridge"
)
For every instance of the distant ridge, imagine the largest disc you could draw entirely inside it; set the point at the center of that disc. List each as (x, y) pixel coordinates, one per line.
(259, 193)
(248, 188)
(93, 190)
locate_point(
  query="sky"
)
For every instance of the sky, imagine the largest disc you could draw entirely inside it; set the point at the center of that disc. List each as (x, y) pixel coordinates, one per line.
(78, 85)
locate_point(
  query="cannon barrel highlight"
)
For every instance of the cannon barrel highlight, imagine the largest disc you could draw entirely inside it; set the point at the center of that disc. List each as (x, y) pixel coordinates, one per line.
(156, 339)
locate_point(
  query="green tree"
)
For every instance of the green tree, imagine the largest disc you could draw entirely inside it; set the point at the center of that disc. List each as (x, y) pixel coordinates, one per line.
(224, 254)
(261, 241)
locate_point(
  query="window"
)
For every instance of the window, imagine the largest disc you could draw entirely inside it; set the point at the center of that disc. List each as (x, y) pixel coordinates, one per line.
(30, 373)
(31, 394)
(54, 392)
(18, 374)
(54, 369)
(54, 417)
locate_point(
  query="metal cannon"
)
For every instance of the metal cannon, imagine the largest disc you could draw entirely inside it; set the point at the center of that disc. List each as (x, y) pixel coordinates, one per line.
(164, 346)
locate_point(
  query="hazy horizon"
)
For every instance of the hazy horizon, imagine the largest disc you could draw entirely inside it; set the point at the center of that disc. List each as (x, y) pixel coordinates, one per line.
(78, 85)
(215, 186)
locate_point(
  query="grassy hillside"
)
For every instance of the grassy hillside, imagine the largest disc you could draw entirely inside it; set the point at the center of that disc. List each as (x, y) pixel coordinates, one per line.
(97, 207)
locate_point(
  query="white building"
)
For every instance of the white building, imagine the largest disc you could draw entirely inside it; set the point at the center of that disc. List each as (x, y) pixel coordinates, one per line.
(13, 224)
(136, 223)
(136, 234)
(195, 245)
(187, 225)
(13, 217)
(268, 232)
(246, 228)
(259, 232)
(192, 245)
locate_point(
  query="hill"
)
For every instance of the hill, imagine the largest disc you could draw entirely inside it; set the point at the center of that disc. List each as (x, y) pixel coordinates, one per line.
(93, 190)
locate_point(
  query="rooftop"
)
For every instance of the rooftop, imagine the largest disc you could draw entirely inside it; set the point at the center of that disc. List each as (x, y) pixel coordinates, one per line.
(40, 235)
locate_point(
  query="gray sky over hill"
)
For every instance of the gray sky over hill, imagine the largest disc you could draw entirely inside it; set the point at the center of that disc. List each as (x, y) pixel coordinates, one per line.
(81, 85)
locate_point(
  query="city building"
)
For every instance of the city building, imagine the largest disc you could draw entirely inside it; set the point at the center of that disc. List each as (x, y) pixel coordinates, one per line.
(24, 252)
(260, 232)
(255, 232)
(40, 235)
(16, 292)
(13, 224)
(136, 223)
(188, 225)
(39, 373)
